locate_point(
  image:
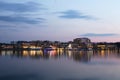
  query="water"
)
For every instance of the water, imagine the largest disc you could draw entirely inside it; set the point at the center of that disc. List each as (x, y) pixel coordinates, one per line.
(59, 65)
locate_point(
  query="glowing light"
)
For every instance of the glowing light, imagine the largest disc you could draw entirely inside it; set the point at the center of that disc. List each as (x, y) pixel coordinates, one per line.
(32, 53)
(53, 53)
(25, 53)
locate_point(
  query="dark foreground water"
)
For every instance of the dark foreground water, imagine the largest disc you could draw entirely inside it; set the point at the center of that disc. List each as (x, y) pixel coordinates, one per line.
(59, 65)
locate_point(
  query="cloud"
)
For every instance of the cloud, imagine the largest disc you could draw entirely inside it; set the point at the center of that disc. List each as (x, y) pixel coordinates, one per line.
(7, 26)
(23, 77)
(14, 12)
(74, 14)
(9, 29)
(20, 7)
(18, 19)
(98, 35)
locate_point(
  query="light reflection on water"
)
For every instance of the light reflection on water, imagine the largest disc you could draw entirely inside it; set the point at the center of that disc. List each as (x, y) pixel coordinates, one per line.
(83, 56)
(59, 65)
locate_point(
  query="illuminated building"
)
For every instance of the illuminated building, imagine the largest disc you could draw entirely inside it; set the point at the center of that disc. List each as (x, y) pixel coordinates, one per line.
(84, 43)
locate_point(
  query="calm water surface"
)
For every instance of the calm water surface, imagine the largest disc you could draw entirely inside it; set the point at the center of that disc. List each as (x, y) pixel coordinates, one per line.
(59, 65)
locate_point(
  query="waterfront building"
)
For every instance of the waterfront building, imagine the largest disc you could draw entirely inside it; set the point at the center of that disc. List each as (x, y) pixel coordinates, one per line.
(84, 43)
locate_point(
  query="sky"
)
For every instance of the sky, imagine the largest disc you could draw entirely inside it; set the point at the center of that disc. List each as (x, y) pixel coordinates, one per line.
(59, 20)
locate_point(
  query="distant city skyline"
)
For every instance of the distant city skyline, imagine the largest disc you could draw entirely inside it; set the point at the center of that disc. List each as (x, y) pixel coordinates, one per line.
(59, 20)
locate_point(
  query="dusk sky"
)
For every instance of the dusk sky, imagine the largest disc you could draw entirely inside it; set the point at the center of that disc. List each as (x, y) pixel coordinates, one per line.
(61, 20)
